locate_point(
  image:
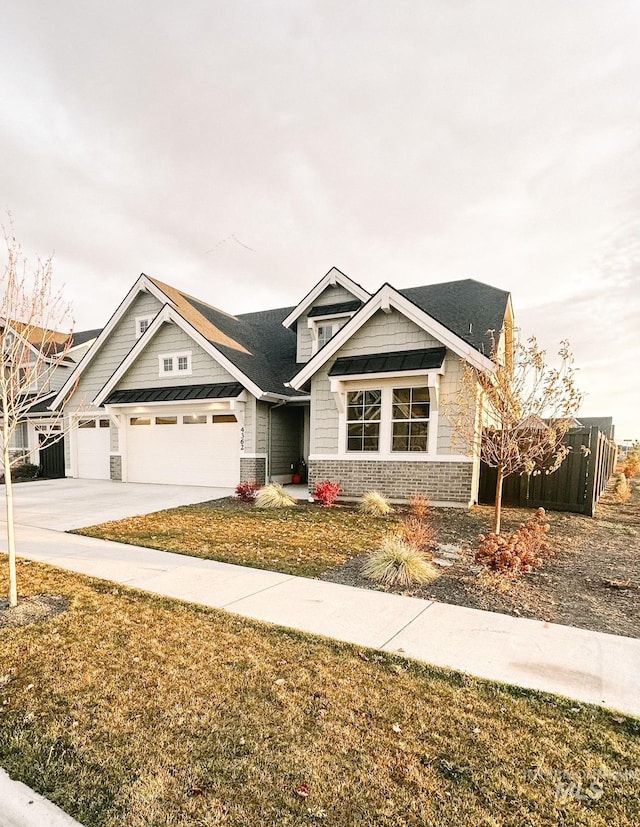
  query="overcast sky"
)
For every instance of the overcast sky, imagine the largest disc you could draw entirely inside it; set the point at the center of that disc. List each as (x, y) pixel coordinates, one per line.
(240, 150)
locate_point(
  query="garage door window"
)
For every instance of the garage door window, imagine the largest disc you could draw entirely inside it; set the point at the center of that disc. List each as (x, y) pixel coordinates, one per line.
(166, 420)
(139, 420)
(223, 418)
(104, 423)
(87, 423)
(194, 419)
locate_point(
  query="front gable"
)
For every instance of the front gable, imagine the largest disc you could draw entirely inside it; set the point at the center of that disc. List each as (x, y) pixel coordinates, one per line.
(169, 341)
(113, 350)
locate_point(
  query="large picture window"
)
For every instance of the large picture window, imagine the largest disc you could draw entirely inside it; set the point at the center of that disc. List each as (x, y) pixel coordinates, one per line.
(363, 420)
(410, 419)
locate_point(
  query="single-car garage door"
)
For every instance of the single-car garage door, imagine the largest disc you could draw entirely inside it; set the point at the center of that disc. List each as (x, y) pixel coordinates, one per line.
(92, 442)
(184, 449)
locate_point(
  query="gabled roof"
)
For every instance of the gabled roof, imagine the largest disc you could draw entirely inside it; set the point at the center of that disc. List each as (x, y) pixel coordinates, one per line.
(467, 308)
(81, 337)
(333, 277)
(388, 298)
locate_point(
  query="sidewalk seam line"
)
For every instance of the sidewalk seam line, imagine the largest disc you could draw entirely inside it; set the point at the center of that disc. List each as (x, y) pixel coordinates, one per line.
(253, 594)
(406, 625)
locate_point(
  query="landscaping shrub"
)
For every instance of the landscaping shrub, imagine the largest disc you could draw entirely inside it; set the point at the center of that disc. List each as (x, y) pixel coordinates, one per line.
(519, 552)
(398, 563)
(631, 466)
(26, 471)
(375, 504)
(246, 491)
(327, 492)
(622, 490)
(419, 533)
(419, 507)
(274, 496)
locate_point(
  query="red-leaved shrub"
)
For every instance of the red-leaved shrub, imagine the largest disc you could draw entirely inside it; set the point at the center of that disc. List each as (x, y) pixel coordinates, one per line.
(246, 491)
(522, 551)
(327, 492)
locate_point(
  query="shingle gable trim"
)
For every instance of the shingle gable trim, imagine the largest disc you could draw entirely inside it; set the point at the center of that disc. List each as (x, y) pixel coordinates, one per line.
(388, 298)
(334, 276)
(169, 314)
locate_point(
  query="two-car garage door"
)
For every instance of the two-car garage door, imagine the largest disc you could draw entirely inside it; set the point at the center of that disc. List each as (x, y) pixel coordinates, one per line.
(172, 448)
(184, 449)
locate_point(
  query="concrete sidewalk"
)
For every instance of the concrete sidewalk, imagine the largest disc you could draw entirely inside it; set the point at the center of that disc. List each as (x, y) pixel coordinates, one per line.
(589, 667)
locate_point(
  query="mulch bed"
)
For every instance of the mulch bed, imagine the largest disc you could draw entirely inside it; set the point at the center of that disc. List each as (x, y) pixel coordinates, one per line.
(592, 580)
(31, 610)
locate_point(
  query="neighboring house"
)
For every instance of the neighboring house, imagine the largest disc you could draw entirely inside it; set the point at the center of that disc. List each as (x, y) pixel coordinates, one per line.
(176, 391)
(40, 420)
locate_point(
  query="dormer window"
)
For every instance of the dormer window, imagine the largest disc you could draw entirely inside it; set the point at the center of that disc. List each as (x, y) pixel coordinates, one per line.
(325, 332)
(142, 323)
(174, 364)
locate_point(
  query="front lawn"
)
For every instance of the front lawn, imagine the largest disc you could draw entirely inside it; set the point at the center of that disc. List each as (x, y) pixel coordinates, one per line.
(306, 540)
(128, 709)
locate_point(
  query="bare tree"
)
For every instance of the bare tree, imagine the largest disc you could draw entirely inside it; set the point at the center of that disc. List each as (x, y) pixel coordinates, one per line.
(525, 409)
(32, 313)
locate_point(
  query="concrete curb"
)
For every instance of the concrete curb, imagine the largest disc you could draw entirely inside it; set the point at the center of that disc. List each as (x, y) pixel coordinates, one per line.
(20, 806)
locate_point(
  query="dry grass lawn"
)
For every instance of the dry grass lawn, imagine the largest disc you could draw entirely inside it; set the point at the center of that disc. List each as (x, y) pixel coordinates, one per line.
(306, 540)
(128, 709)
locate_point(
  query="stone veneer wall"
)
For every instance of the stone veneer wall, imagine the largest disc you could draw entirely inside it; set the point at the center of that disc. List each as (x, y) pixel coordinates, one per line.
(449, 482)
(115, 468)
(253, 468)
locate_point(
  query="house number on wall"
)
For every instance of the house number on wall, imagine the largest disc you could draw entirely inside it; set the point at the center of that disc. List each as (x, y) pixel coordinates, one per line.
(242, 438)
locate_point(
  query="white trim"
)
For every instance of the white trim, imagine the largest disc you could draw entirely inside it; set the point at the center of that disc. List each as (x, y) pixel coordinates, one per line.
(333, 277)
(168, 314)
(399, 456)
(387, 296)
(175, 357)
(321, 317)
(142, 285)
(254, 456)
(201, 403)
(386, 376)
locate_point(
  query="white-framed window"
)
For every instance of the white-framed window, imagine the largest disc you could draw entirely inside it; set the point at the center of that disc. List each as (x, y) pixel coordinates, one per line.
(174, 364)
(142, 323)
(325, 332)
(410, 419)
(364, 413)
(387, 419)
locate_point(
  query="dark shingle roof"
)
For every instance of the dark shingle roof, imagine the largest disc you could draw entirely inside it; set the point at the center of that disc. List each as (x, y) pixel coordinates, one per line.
(396, 362)
(468, 308)
(335, 309)
(266, 350)
(81, 336)
(604, 423)
(185, 393)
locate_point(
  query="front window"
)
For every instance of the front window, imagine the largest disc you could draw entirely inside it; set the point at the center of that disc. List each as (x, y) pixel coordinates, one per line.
(363, 420)
(175, 364)
(410, 419)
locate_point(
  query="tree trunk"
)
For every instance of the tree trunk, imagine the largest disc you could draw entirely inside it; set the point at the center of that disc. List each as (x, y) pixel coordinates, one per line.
(497, 518)
(11, 539)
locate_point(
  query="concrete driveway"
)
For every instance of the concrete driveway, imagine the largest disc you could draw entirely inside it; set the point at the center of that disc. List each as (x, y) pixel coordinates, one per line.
(65, 504)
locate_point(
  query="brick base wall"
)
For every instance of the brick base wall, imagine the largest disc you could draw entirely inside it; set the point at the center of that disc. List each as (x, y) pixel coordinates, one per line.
(439, 481)
(115, 468)
(253, 468)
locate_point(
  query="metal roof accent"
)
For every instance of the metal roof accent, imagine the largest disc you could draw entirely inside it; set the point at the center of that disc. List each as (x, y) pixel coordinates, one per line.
(182, 393)
(335, 309)
(425, 359)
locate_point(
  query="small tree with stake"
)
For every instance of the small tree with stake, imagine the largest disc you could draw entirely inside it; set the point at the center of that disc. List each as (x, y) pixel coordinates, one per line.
(31, 348)
(526, 408)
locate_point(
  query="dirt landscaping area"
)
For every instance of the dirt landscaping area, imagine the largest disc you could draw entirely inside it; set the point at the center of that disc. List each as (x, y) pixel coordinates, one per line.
(591, 581)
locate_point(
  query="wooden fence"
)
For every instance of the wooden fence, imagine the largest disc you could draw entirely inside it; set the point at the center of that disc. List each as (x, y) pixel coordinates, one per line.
(576, 486)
